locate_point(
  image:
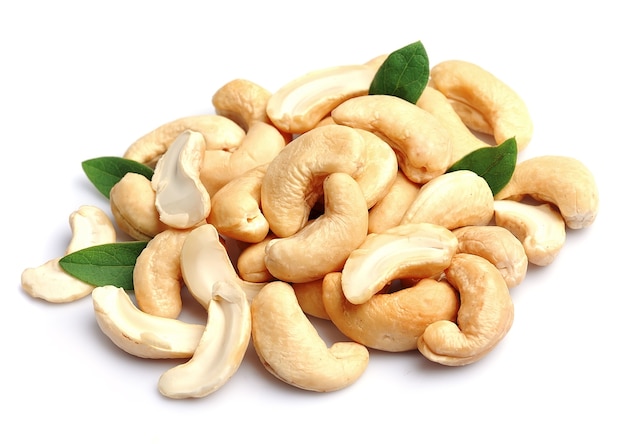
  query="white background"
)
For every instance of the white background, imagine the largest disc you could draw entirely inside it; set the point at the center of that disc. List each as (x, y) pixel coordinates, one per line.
(85, 79)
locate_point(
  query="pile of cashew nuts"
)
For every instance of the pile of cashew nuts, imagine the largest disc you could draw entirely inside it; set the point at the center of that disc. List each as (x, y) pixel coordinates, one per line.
(321, 200)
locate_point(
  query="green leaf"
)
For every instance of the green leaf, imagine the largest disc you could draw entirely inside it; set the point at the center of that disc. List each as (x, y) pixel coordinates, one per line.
(104, 172)
(494, 164)
(106, 264)
(403, 74)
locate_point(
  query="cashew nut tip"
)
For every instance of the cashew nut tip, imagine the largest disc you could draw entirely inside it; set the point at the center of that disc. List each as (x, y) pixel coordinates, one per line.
(221, 348)
(90, 226)
(290, 348)
(484, 317)
(141, 334)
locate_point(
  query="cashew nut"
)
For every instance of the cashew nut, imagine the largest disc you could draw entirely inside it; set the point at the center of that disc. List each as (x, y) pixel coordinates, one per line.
(299, 105)
(309, 295)
(324, 244)
(293, 181)
(419, 250)
(389, 210)
(251, 261)
(477, 88)
(484, 317)
(132, 201)
(90, 226)
(181, 199)
(561, 180)
(290, 348)
(540, 228)
(381, 168)
(462, 140)
(139, 333)
(393, 321)
(236, 208)
(453, 200)
(499, 246)
(157, 277)
(242, 101)
(220, 133)
(221, 348)
(204, 261)
(421, 143)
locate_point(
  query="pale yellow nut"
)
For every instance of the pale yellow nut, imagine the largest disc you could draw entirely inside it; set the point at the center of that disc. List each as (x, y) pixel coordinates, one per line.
(141, 334)
(390, 321)
(325, 243)
(540, 228)
(251, 261)
(180, 196)
(291, 349)
(406, 251)
(157, 276)
(479, 89)
(221, 348)
(310, 298)
(389, 210)
(420, 141)
(563, 181)
(380, 171)
(452, 200)
(499, 246)
(261, 144)
(242, 101)
(293, 181)
(90, 226)
(132, 202)
(236, 208)
(219, 132)
(301, 104)
(484, 317)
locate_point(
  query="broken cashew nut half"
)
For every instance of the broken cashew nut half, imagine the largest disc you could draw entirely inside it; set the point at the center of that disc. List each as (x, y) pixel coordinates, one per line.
(90, 226)
(291, 349)
(484, 317)
(142, 334)
(221, 348)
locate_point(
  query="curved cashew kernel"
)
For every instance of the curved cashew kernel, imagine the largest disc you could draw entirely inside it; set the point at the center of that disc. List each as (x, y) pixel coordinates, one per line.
(221, 348)
(141, 334)
(389, 209)
(293, 181)
(220, 133)
(242, 101)
(381, 168)
(181, 199)
(90, 226)
(261, 144)
(410, 250)
(421, 143)
(132, 201)
(561, 180)
(540, 228)
(390, 322)
(484, 317)
(291, 349)
(463, 141)
(251, 261)
(502, 107)
(325, 243)
(474, 120)
(236, 208)
(309, 295)
(204, 261)
(499, 246)
(299, 105)
(157, 278)
(452, 200)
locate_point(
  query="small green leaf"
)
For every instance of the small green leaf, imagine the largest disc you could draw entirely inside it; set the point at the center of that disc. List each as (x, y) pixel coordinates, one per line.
(403, 74)
(494, 164)
(106, 264)
(104, 172)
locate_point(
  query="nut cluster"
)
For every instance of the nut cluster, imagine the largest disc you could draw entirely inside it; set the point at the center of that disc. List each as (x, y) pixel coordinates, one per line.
(321, 200)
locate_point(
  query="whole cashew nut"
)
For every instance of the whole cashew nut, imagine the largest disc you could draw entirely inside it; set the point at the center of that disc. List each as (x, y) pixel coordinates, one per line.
(251, 261)
(290, 348)
(242, 101)
(484, 317)
(90, 226)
